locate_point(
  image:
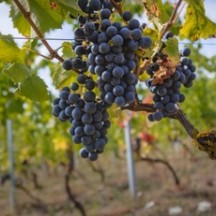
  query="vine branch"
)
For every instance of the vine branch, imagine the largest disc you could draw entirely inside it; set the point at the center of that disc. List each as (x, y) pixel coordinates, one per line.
(179, 115)
(117, 6)
(71, 196)
(165, 163)
(171, 19)
(27, 15)
(140, 107)
(98, 170)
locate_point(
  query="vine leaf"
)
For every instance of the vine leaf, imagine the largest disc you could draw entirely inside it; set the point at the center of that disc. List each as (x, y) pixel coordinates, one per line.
(197, 25)
(10, 52)
(17, 72)
(71, 6)
(15, 106)
(66, 50)
(19, 21)
(62, 77)
(44, 16)
(172, 50)
(156, 8)
(34, 88)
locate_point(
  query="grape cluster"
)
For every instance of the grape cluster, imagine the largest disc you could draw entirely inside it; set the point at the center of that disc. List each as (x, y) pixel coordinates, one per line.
(110, 52)
(106, 50)
(89, 118)
(168, 94)
(113, 58)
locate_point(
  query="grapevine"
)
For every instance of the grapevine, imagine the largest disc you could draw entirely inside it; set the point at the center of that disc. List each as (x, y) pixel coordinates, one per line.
(110, 56)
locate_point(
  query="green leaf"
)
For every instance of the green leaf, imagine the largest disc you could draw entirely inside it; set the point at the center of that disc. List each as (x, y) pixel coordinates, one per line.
(17, 72)
(197, 25)
(45, 17)
(70, 5)
(19, 21)
(34, 88)
(62, 77)
(172, 50)
(15, 106)
(9, 50)
(67, 50)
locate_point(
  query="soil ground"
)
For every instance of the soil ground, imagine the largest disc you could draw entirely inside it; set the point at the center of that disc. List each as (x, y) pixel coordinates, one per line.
(155, 184)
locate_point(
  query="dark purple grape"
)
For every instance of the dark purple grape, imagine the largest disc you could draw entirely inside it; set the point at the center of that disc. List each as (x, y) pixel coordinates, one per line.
(111, 31)
(86, 118)
(105, 13)
(56, 110)
(67, 64)
(90, 107)
(109, 97)
(83, 153)
(145, 42)
(125, 33)
(63, 104)
(104, 48)
(118, 90)
(170, 107)
(77, 113)
(88, 28)
(120, 101)
(186, 52)
(157, 116)
(133, 24)
(93, 156)
(90, 84)
(74, 86)
(117, 40)
(118, 72)
(126, 15)
(73, 98)
(89, 96)
(76, 139)
(136, 34)
(105, 23)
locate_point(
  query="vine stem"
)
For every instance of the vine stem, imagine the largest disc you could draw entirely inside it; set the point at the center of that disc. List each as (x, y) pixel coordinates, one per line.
(165, 163)
(117, 7)
(171, 19)
(191, 130)
(178, 115)
(140, 107)
(27, 15)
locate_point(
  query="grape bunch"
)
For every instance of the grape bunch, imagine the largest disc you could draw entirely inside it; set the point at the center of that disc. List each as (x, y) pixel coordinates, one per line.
(167, 95)
(89, 118)
(113, 58)
(109, 51)
(106, 60)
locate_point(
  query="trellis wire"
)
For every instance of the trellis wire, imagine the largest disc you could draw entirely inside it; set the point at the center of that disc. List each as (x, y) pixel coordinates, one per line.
(72, 39)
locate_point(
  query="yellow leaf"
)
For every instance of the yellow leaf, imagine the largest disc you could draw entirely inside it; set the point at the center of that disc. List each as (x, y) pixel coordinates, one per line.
(197, 25)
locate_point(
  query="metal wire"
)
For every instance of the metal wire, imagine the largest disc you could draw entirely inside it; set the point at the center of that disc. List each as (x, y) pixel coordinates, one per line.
(72, 39)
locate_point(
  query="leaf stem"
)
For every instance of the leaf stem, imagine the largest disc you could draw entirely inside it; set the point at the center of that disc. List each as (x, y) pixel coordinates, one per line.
(36, 52)
(26, 14)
